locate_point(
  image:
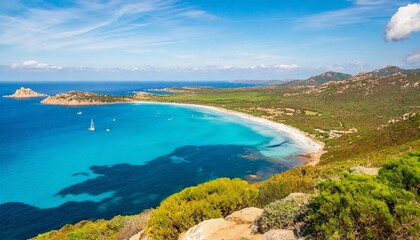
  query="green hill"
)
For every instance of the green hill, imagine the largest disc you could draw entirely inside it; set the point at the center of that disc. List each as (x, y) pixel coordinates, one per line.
(318, 79)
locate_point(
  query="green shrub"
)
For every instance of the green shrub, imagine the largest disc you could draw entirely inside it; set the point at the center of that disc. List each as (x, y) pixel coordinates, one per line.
(134, 224)
(281, 185)
(187, 208)
(119, 227)
(361, 207)
(403, 173)
(286, 213)
(100, 229)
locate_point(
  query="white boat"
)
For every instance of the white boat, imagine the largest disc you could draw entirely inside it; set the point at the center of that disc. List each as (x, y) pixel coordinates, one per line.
(107, 130)
(79, 113)
(92, 126)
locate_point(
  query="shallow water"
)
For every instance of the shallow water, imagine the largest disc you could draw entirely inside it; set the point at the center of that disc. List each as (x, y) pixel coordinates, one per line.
(54, 171)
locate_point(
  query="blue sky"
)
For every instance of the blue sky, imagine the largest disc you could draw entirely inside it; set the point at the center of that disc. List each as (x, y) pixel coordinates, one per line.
(204, 39)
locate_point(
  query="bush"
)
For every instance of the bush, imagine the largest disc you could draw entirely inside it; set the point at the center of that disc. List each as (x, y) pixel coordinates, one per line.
(286, 213)
(119, 227)
(362, 207)
(403, 173)
(187, 208)
(133, 225)
(281, 185)
(100, 229)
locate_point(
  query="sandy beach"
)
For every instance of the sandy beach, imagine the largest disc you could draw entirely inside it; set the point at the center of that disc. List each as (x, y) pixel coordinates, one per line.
(314, 147)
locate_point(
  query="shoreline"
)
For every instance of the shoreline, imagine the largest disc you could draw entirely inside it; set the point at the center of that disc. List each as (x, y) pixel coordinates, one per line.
(315, 147)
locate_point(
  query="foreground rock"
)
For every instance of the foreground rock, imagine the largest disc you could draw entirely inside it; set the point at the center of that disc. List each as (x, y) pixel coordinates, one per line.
(140, 236)
(238, 225)
(76, 98)
(278, 234)
(25, 93)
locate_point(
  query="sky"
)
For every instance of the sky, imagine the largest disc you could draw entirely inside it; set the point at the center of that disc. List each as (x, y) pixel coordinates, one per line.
(57, 40)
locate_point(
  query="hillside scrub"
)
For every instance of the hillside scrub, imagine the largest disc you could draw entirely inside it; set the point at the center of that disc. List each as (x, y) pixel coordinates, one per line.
(119, 227)
(403, 173)
(369, 207)
(287, 213)
(214, 199)
(301, 179)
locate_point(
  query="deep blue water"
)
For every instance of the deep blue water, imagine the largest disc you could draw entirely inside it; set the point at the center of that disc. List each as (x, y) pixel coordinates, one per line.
(54, 171)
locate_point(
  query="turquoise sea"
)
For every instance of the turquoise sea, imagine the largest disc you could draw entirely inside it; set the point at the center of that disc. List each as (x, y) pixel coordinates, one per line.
(54, 171)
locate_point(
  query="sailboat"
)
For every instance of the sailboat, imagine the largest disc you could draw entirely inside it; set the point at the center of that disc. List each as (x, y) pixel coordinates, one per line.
(92, 126)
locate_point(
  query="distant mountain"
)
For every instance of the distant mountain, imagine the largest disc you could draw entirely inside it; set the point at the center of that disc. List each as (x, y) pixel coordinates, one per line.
(386, 71)
(319, 79)
(390, 70)
(265, 82)
(381, 81)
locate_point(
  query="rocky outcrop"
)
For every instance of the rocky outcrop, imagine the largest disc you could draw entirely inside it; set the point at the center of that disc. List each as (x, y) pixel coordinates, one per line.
(279, 234)
(404, 117)
(140, 236)
(76, 98)
(363, 170)
(336, 133)
(236, 226)
(246, 215)
(25, 93)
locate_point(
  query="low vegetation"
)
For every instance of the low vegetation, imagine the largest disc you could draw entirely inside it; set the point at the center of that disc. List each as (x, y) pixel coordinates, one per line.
(370, 207)
(301, 179)
(119, 227)
(287, 213)
(214, 199)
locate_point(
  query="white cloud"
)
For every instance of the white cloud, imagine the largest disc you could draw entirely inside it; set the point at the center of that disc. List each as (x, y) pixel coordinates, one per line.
(32, 64)
(286, 66)
(414, 58)
(404, 22)
(258, 67)
(354, 66)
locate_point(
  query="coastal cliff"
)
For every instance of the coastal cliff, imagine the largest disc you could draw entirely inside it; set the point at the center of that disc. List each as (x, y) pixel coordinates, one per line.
(25, 93)
(78, 98)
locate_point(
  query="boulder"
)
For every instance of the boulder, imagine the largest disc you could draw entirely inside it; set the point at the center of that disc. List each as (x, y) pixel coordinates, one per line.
(279, 234)
(206, 229)
(236, 226)
(140, 236)
(246, 215)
